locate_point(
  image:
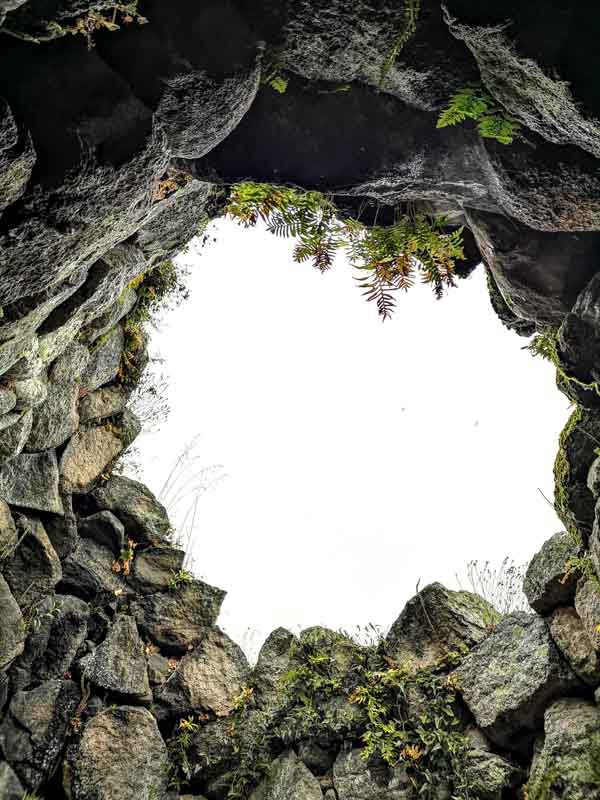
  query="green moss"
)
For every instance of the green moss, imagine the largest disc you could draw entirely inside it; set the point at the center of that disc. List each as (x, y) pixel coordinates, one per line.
(562, 476)
(541, 787)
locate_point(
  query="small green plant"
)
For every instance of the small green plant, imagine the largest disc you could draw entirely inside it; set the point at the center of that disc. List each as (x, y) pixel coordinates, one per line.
(122, 565)
(475, 102)
(179, 579)
(412, 9)
(179, 746)
(388, 259)
(272, 72)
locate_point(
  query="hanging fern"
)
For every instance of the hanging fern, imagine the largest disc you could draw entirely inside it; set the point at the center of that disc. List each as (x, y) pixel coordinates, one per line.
(389, 259)
(474, 102)
(411, 17)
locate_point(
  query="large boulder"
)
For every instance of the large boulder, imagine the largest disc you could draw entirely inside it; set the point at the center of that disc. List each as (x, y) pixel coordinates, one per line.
(105, 360)
(144, 518)
(31, 480)
(274, 661)
(587, 605)
(56, 420)
(566, 763)
(15, 429)
(178, 621)
(119, 752)
(34, 730)
(209, 679)
(12, 627)
(438, 620)
(356, 779)
(158, 569)
(547, 583)
(509, 679)
(88, 573)
(107, 401)
(288, 779)
(119, 664)
(105, 529)
(489, 776)
(34, 568)
(572, 640)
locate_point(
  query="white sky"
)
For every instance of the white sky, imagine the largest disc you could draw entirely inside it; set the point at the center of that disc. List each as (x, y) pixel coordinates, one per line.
(361, 456)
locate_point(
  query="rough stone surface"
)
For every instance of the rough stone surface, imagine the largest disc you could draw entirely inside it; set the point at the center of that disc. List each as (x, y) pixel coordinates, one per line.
(144, 518)
(31, 392)
(566, 766)
(587, 605)
(12, 627)
(545, 584)
(105, 529)
(13, 437)
(354, 779)
(118, 746)
(490, 775)
(509, 679)
(10, 786)
(155, 569)
(435, 621)
(8, 531)
(105, 360)
(119, 663)
(70, 365)
(30, 480)
(274, 661)
(34, 569)
(177, 621)
(288, 779)
(33, 732)
(88, 573)
(106, 402)
(209, 679)
(570, 637)
(56, 420)
(8, 400)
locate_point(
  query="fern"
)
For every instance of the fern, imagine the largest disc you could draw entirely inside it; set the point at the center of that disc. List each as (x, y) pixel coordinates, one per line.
(411, 17)
(475, 103)
(388, 258)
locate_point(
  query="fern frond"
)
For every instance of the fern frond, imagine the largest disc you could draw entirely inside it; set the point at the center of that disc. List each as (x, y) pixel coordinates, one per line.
(475, 102)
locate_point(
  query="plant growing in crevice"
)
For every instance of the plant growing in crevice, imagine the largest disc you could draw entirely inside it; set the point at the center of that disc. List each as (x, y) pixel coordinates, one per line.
(179, 579)
(474, 102)
(388, 259)
(412, 9)
(122, 565)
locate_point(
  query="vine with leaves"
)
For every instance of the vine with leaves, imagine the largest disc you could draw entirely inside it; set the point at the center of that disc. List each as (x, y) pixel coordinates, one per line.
(388, 259)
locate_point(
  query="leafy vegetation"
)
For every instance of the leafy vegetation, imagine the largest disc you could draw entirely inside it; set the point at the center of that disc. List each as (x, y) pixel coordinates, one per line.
(179, 579)
(475, 102)
(412, 9)
(388, 259)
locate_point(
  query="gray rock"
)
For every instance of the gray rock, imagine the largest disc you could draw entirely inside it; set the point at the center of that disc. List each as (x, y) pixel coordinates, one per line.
(212, 748)
(105, 360)
(118, 745)
(8, 532)
(545, 585)
(288, 779)
(571, 638)
(119, 663)
(105, 529)
(438, 620)
(208, 679)
(355, 779)
(57, 630)
(33, 733)
(14, 433)
(62, 532)
(88, 573)
(566, 766)
(34, 568)
(30, 392)
(114, 314)
(70, 365)
(490, 776)
(105, 402)
(10, 786)
(593, 479)
(509, 679)
(178, 621)
(8, 400)
(587, 605)
(154, 569)
(274, 661)
(12, 627)
(56, 420)
(594, 545)
(30, 480)
(159, 669)
(144, 518)
(316, 758)
(14, 350)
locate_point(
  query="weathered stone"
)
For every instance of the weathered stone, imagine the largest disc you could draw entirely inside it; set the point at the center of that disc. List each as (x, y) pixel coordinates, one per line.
(159, 669)
(177, 621)
(14, 350)
(88, 573)
(437, 620)
(8, 532)
(213, 749)
(566, 766)
(10, 786)
(105, 402)
(144, 518)
(587, 605)
(593, 478)
(208, 679)
(119, 663)
(33, 733)
(105, 529)
(105, 360)
(30, 480)
(12, 627)
(30, 392)
(155, 569)
(14, 433)
(594, 544)
(114, 314)
(8, 400)
(546, 585)
(70, 365)
(490, 776)
(34, 568)
(56, 420)
(509, 679)
(355, 779)
(274, 661)
(118, 746)
(288, 779)
(317, 759)
(57, 631)
(571, 638)
(62, 532)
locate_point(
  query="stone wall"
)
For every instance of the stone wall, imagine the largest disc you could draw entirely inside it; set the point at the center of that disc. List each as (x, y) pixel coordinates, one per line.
(115, 147)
